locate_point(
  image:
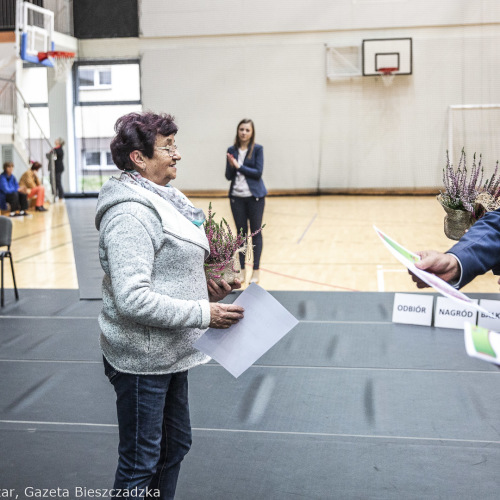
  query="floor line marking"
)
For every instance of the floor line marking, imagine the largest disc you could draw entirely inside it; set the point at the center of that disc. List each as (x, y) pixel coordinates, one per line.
(363, 368)
(319, 321)
(47, 317)
(42, 231)
(380, 276)
(56, 423)
(308, 281)
(362, 436)
(42, 252)
(307, 228)
(68, 361)
(380, 279)
(295, 367)
(288, 433)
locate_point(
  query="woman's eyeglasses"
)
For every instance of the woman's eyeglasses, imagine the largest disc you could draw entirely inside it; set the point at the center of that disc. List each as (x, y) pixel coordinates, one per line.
(171, 150)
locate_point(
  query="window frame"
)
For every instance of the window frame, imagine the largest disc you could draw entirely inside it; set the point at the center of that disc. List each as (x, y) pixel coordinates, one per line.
(103, 157)
(97, 69)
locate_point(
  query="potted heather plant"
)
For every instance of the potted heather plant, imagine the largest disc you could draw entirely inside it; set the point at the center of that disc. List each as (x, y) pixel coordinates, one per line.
(223, 262)
(489, 197)
(465, 199)
(459, 196)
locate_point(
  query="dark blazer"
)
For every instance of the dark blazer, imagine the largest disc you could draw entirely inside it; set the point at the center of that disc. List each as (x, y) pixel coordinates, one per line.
(59, 166)
(251, 169)
(479, 249)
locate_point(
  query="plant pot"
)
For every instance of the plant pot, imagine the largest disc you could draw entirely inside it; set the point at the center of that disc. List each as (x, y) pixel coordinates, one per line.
(456, 222)
(230, 272)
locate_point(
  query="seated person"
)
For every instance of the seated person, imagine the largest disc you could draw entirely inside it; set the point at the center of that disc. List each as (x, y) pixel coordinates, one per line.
(33, 186)
(16, 196)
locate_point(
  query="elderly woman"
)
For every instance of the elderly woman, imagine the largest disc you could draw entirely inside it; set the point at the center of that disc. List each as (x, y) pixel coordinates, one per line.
(156, 301)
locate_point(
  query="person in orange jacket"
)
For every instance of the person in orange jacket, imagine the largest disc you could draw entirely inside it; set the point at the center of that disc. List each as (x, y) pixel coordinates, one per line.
(33, 185)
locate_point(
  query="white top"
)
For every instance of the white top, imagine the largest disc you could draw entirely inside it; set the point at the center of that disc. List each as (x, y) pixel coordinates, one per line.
(240, 186)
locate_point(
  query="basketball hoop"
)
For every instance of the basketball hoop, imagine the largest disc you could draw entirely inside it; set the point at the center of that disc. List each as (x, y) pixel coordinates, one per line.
(61, 62)
(387, 75)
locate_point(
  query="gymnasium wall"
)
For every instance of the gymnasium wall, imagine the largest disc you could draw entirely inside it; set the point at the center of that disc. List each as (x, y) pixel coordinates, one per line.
(213, 63)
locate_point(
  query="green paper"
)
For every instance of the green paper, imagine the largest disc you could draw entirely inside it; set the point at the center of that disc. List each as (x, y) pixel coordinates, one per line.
(481, 339)
(399, 249)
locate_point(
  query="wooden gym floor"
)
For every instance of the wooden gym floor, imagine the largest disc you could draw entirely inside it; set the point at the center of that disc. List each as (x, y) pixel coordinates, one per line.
(322, 243)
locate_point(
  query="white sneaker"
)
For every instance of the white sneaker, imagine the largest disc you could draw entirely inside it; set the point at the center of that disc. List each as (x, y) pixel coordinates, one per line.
(255, 276)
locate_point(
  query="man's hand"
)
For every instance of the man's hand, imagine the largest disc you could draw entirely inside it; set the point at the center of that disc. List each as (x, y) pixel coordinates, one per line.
(218, 292)
(224, 315)
(443, 265)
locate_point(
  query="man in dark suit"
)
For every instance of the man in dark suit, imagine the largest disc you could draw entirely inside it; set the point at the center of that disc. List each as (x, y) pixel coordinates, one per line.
(477, 252)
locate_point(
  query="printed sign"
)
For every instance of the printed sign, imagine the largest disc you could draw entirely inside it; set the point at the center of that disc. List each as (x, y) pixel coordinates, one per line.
(449, 314)
(412, 309)
(493, 306)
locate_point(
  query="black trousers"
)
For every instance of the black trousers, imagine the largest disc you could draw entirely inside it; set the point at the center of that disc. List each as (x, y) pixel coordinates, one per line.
(249, 210)
(17, 201)
(59, 186)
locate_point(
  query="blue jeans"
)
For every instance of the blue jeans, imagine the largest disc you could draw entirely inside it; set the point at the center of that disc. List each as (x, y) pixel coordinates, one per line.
(154, 429)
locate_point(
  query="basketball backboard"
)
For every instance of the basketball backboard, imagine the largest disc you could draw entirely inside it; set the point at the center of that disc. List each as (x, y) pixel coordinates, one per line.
(36, 29)
(394, 53)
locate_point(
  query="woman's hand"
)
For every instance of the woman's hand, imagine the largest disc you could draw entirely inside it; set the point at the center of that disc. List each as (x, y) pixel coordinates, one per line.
(232, 161)
(224, 315)
(218, 292)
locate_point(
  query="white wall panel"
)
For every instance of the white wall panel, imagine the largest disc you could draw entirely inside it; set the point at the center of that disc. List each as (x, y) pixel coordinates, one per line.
(353, 133)
(176, 18)
(396, 136)
(32, 83)
(209, 90)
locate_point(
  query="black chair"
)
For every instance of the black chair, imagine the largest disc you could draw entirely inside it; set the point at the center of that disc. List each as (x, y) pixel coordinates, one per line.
(5, 240)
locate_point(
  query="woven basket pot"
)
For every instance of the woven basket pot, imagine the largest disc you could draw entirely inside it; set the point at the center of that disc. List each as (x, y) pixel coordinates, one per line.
(231, 271)
(456, 222)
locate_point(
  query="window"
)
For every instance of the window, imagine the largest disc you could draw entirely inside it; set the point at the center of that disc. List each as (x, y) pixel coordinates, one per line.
(86, 77)
(97, 78)
(92, 158)
(98, 160)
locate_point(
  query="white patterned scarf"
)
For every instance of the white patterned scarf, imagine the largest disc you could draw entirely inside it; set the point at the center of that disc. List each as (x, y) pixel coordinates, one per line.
(169, 193)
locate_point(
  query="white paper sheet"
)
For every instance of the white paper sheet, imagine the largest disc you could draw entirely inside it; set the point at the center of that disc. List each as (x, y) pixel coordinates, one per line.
(408, 259)
(482, 343)
(265, 322)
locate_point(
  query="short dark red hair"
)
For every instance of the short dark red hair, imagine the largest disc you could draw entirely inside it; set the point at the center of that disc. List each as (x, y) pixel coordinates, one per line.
(138, 131)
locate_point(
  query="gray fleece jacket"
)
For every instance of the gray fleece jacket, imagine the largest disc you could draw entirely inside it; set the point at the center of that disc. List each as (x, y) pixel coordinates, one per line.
(155, 299)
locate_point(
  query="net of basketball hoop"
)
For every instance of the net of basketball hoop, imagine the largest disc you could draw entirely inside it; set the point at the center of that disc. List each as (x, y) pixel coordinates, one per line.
(61, 62)
(387, 75)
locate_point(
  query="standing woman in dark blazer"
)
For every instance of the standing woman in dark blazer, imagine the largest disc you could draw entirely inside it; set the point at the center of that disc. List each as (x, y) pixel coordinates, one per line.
(244, 165)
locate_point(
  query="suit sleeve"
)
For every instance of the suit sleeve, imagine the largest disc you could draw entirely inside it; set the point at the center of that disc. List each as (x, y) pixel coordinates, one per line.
(230, 171)
(479, 249)
(255, 171)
